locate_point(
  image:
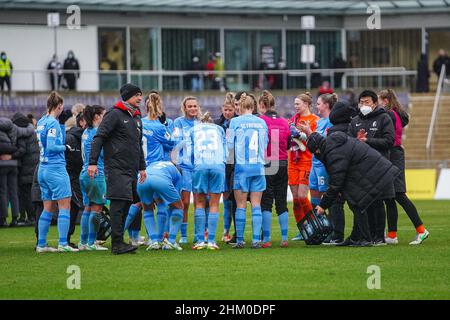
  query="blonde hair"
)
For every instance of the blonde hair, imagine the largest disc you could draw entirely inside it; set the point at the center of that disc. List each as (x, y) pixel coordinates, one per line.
(305, 97)
(206, 118)
(329, 98)
(154, 105)
(247, 102)
(391, 97)
(183, 106)
(77, 108)
(229, 99)
(267, 100)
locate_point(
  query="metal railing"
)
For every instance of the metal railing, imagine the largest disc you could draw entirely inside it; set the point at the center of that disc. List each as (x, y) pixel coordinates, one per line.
(177, 80)
(435, 109)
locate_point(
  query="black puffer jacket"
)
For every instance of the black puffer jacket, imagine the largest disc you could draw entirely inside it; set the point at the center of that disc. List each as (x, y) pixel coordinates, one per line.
(30, 147)
(379, 128)
(74, 159)
(120, 136)
(9, 135)
(223, 122)
(357, 171)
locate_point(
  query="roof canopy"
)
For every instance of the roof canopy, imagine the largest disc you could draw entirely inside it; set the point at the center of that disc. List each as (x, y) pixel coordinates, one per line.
(261, 7)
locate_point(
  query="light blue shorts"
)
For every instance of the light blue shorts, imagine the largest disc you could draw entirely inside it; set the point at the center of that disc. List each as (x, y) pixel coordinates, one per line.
(54, 183)
(186, 180)
(249, 184)
(318, 178)
(156, 187)
(208, 181)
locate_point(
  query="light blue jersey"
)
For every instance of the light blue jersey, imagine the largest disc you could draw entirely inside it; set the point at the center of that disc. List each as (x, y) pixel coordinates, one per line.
(163, 182)
(322, 127)
(86, 142)
(156, 137)
(52, 142)
(181, 135)
(168, 149)
(209, 147)
(248, 138)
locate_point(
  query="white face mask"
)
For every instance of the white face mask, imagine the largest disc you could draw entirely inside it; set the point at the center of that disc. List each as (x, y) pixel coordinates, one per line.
(365, 110)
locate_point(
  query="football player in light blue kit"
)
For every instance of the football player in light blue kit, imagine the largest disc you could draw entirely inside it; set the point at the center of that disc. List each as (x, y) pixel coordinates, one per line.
(53, 177)
(209, 151)
(318, 178)
(93, 190)
(163, 183)
(247, 138)
(156, 142)
(181, 135)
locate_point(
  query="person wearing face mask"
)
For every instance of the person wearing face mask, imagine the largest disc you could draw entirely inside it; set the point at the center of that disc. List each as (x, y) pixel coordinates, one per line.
(71, 77)
(5, 72)
(374, 126)
(358, 173)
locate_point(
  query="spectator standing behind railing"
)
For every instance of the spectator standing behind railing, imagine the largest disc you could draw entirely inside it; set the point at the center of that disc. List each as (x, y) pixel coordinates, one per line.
(196, 79)
(442, 59)
(28, 163)
(6, 68)
(71, 77)
(55, 73)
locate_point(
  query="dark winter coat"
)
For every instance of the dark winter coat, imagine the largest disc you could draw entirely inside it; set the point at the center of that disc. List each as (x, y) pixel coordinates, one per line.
(30, 147)
(74, 159)
(379, 128)
(120, 136)
(439, 62)
(9, 135)
(357, 171)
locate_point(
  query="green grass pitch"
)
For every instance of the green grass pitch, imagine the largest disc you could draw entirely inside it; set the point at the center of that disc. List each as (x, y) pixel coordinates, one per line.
(297, 272)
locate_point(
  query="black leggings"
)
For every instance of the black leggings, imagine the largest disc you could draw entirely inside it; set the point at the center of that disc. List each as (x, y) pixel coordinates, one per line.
(276, 190)
(407, 205)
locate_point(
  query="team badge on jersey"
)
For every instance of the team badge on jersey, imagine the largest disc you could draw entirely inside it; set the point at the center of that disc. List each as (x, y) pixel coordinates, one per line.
(51, 133)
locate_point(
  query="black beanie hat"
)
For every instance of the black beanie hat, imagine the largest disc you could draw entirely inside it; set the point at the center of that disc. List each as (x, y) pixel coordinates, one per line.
(129, 90)
(315, 141)
(342, 112)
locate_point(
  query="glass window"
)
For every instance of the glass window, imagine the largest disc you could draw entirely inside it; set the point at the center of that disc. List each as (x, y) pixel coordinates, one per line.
(327, 48)
(179, 46)
(251, 50)
(144, 48)
(112, 53)
(144, 56)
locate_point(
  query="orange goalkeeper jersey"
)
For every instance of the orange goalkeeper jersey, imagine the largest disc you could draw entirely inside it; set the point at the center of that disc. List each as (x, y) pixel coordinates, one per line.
(302, 160)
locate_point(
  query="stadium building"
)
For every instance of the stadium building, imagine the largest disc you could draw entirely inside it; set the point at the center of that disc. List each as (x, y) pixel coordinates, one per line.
(147, 40)
(152, 42)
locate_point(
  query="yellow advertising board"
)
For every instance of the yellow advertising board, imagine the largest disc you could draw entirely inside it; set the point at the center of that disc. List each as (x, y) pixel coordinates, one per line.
(421, 184)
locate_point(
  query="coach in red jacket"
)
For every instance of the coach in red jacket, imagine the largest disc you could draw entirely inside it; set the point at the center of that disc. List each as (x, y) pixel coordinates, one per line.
(120, 135)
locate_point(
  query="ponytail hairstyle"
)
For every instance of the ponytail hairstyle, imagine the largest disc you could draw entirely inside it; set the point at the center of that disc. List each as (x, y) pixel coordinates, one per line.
(229, 99)
(267, 100)
(329, 98)
(206, 118)
(154, 105)
(247, 102)
(307, 98)
(183, 106)
(53, 101)
(393, 103)
(90, 112)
